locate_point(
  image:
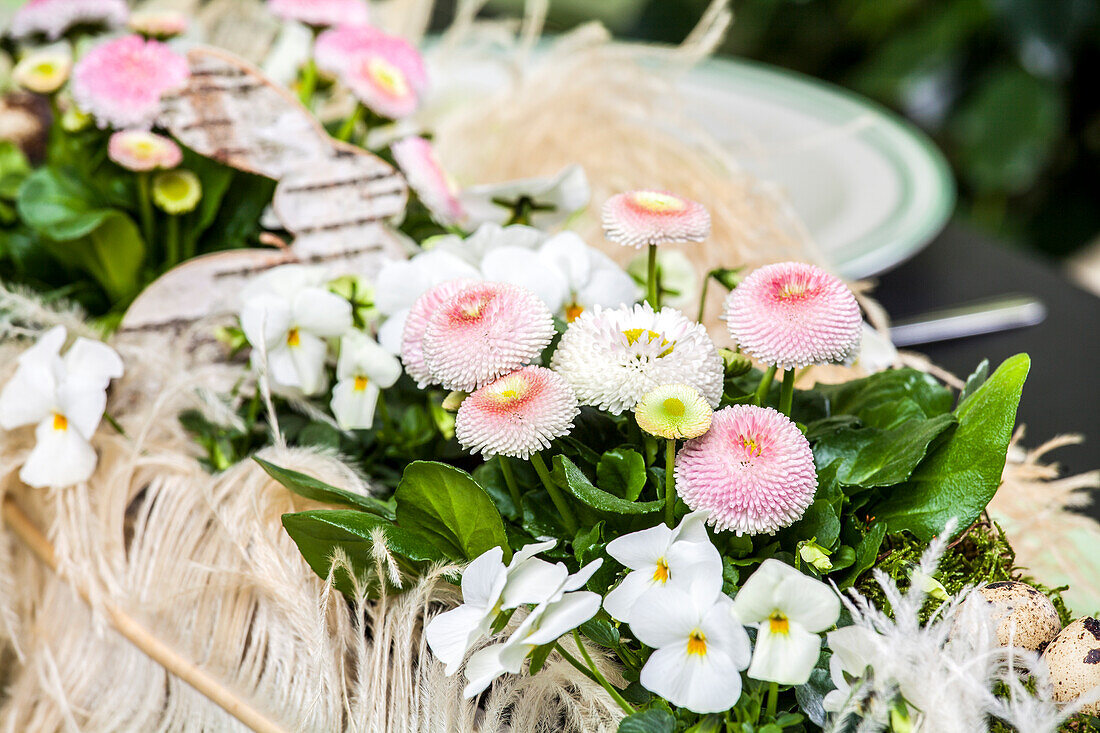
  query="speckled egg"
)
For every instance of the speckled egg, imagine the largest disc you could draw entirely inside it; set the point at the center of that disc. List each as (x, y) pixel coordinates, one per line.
(1073, 659)
(1025, 617)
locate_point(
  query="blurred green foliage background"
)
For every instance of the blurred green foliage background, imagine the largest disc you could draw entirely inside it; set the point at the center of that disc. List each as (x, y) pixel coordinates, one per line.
(1007, 88)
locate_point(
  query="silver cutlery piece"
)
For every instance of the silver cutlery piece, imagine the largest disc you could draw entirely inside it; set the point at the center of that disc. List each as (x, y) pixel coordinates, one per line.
(1001, 313)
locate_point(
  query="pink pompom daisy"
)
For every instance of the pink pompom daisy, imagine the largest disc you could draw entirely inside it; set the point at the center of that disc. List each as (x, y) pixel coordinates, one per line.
(122, 81)
(794, 314)
(335, 46)
(485, 330)
(139, 150)
(517, 415)
(753, 470)
(640, 218)
(52, 18)
(319, 13)
(416, 323)
(387, 75)
(416, 158)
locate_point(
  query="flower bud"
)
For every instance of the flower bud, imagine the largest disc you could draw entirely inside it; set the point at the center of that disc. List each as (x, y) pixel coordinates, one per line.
(735, 363)
(815, 555)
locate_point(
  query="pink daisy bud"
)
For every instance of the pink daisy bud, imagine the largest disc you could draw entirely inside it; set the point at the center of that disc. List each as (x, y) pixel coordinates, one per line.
(485, 330)
(335, 46)
(138, 150)
(416, 158)
(517, 415)
(319, 13)
(640, 218)
(754, 471)
(387, 75)
(416, 323)
(794, 314)
(121, 82)
(52, 18)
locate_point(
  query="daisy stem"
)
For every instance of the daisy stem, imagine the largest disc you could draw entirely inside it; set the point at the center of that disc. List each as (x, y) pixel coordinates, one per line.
(773, 698)
(765, 385)
(670, 481)
(145, 208)
(510, 481)
(627, 707)
(786, 394)
(653, 293)
(308, 84)
(349, 124)
(703, 298)
(566, 513)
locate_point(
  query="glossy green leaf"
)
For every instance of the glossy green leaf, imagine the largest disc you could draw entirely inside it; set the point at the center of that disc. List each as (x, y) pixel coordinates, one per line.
(60, 206)
(961, 476)
(317, 490)
(579, 486)
(320, 533)
(868, 457)
(621, 472)
(601, 632)
(866, 553)
(446, 504)
(888, 399)
(648, 721)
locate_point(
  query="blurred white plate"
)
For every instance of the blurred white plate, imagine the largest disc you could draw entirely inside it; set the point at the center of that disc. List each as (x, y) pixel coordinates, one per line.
(870, 187)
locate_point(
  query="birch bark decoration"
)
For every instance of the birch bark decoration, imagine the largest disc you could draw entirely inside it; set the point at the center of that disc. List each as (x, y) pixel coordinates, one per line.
(336, 198)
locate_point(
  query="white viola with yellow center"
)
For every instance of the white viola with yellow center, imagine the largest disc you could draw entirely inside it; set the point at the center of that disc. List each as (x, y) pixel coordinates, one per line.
(663, 559)
(489, 587)
(562, 608)
(641, 218)
(789, 610)
(698, 652)
(287, 316)
(363, 370)
(64, 397)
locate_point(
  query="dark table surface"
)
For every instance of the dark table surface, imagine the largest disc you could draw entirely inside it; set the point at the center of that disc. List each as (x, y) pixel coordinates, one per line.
(1062, 394)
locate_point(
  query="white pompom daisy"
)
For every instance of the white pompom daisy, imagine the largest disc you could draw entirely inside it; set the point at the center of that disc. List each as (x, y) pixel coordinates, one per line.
(613, 357)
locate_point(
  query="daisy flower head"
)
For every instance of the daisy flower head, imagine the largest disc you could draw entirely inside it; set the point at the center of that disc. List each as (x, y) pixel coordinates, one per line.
(674, 411)
(753, 470)
(320, 13)
(162, 24)
(140, 150)
(640, 218)
(613, 357)
(387, 75)
(44, 71)
(417, 160)
(794, 314)
(416, 324)
(177, 191)
(335, 46)
(52, 18)
(121, 82)
(483, 331)
(517, 415)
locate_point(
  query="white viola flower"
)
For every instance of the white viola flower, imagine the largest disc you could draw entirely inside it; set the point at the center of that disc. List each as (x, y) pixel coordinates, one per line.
(488, 238)
(565, 272)
(400, 283)
(64, 397)
(876, 352)
(789, 610)
(287, 315)
(563, 608)
(698, 653)
(489, 587)
(854, 648)
(363, 370)
(550, 200)
(613, 357)
(663, 559)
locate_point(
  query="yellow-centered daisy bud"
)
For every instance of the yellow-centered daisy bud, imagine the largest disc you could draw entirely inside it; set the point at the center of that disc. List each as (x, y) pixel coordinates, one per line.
(734, 362)
(453, 401)
(43, 71)
(177, 191)
(674, 411)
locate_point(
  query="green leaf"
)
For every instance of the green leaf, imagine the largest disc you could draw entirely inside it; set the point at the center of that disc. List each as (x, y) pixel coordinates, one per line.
(539, 655)
(975, 380)
(120, 251)
(648, 721)
(960, 477)
(866, 553)
(622, 472)
(311, 488)
(601, 632)
(320, 533)
(579, 486)
(446, 504)
(869, 457)
(586, 545)
(822, 518)
(888, 399)
(59, 206)
(14, 169)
